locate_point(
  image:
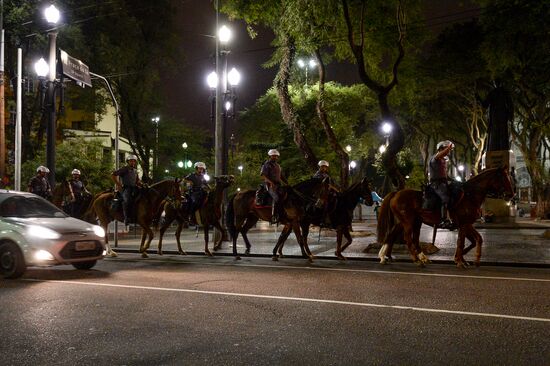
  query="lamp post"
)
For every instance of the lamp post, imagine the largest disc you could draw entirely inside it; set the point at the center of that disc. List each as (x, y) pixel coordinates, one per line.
(156, 121)
(52, 17)
(306, 65)
(462, 171)
(240, 167)
(185, 146)
(387, 128)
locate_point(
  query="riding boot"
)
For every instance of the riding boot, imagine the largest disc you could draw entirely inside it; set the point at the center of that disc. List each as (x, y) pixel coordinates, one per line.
(445, 222)
(274, 213)
(125, 210)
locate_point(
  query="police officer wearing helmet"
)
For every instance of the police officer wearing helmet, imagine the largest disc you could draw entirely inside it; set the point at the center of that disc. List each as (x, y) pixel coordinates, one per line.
(322, 173)
(199, 186)
(439, 179)
(273, 178)
(127, 181)
(78, 192)
(39, 184)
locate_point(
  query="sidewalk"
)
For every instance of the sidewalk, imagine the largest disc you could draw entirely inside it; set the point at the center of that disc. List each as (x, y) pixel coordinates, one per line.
(519, 244)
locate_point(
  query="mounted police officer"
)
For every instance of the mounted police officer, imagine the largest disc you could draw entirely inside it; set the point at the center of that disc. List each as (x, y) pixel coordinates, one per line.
(39, 184)
(127, 181)
(273, 178)
(199, 187)
(439, 179)
(78, 193)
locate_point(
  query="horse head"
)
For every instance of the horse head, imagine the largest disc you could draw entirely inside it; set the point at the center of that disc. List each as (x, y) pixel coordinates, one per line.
(366, 191)
(224, 181)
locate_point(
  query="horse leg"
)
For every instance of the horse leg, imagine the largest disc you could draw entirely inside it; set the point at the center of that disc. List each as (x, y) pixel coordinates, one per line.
(408, 231)
(348, 237)
(223, 232)
(385, 251)
(459, 255)
(206, 250)
(142, 245)
(178, 234)
(476, 240)
(108, 249)
(282, 238)
(301, 241)
(250, 222)
(339, 235)
(416, 242)
(305, 233)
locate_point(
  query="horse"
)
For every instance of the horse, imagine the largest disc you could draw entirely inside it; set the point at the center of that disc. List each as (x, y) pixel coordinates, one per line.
(174, 209)
(243, 213)
(61, 194)
(210, 212)
(341, 215)
(145, 206)
(401, 214)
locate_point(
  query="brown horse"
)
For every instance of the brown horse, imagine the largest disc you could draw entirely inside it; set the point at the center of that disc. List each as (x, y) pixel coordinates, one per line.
(174, 209)
(145, 207)
(401, 213)
(211, 212)
(341, 215)
(243, 214)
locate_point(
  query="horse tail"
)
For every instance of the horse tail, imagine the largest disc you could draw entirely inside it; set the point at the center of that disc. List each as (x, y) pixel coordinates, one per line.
(386, 221)
(230, 217)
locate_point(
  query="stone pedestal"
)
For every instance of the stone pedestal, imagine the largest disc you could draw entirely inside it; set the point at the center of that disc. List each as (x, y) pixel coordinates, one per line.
(499, 210)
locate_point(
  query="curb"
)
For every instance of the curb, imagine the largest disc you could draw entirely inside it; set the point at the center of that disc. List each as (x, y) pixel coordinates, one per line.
(360, 259)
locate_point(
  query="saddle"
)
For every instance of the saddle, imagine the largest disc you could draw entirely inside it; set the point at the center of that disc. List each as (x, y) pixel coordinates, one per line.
(263, 198)
(431, 203)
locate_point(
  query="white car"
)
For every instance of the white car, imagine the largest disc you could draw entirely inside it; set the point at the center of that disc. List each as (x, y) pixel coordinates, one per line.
(34, 232)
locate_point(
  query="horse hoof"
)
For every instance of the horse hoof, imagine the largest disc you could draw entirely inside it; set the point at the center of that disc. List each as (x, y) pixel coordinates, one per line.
(237, 258)
(208, 253)
(340, 256)
(144, 255)
(420, 264)
(383, 261)
(477, 263)
(159, 252)
(182, 252)
(112, 254)
(460, 265)
(247, 252)
(275, 258)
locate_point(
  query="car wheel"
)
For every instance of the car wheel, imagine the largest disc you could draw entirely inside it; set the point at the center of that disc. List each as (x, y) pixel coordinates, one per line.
(84, 265)
(12, 263)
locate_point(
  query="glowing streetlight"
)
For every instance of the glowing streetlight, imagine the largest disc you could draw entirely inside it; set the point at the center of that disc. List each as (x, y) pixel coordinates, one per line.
(348, 148)
(180, 164)
(461, 168)
(212, 80)
(52, 14)
(224, 34)
(387, 128)
(352, 164)
(240, 167)
(311, 63)
(206, 177)
(184, 145)
(227, 105)
(41, 68)
(234, 77)
(382, 149)
(189, 163)
(458, 178)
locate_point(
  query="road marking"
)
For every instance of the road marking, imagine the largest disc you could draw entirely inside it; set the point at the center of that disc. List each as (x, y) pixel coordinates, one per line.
(345, 270)
(302, 299)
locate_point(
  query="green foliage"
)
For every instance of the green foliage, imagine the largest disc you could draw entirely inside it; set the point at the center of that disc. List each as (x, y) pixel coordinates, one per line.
(84, 155)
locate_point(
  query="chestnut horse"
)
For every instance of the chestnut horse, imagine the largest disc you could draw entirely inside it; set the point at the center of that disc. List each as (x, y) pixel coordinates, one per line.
(401, 213)
(341, 216)
(144, 208)
(174, 209)
(242, 213)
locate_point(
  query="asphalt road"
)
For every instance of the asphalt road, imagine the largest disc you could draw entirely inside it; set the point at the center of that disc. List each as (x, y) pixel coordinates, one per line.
(215, 311)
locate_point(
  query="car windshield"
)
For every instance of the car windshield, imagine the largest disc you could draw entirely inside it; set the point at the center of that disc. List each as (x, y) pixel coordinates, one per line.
(28, 206)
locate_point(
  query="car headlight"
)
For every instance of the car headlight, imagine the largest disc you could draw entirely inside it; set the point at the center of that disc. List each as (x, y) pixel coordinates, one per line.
(42, 232)
(98, 230)
(43, 255)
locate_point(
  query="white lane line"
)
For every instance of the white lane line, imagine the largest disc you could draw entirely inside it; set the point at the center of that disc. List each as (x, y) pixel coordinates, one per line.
(302, 299)
(347, 270)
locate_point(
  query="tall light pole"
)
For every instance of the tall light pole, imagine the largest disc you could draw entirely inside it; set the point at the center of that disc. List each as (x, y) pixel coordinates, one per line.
(52, 17)
(387, 128)
(306, 64)
(185, 146)
(2, 105)
(156, 121)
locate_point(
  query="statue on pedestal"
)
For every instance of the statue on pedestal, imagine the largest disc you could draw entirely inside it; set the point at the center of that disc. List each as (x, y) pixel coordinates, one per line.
(501, 112)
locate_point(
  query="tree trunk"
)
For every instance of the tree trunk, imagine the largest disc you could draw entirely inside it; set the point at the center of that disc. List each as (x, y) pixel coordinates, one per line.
(331, 137)
(287, 110)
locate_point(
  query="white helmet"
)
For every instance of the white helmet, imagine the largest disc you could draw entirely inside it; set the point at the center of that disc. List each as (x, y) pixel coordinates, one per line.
(131, 157)
(200, 164)
(75, 171)
(42, 169)
(443, 144)
(323, 163)
(273, 152)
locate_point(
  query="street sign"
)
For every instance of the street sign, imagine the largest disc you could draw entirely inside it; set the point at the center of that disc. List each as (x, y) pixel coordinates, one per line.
(75, 69)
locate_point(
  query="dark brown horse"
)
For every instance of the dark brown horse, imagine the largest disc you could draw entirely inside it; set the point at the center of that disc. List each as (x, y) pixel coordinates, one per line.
(174, 209)
(243, 213)
(401, 214)
(341, 215)
(144, 208)
(211, 212)
(61, 197)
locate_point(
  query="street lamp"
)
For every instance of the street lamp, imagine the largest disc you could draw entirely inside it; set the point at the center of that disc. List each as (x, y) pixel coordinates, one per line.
(156, 120)
(311, 63)
(52, 16)
(382, 149)
(348, 148)
(240, 167)
(184, 146)
(387, 128)
(180, 164)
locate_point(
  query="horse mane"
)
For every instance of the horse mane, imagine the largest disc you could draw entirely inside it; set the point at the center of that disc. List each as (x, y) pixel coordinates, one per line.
(474, 181)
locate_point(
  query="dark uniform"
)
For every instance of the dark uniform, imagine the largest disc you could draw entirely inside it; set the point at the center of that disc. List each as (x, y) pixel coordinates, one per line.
(438, 177)
(129, 178)
(272, 171)
(198, 191)
(79, 192)
(40, 186)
